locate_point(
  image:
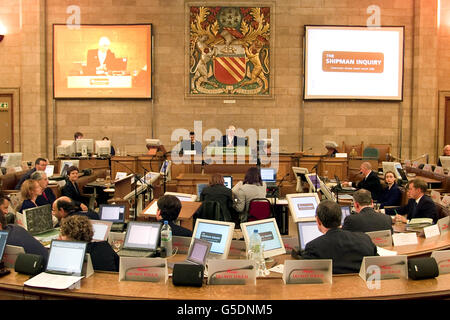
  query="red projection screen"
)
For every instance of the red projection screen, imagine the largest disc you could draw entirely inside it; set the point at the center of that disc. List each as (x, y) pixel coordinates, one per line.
(102, 61)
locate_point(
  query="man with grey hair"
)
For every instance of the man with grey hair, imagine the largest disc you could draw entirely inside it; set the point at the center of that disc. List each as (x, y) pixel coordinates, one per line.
(370, 181)
(366, 218)
(101, 60)
(47, 196)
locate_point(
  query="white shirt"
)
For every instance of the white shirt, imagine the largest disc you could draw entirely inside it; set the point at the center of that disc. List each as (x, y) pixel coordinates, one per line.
(101, 57)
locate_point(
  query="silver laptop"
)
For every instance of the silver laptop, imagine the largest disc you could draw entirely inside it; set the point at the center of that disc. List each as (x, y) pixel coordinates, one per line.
(141, 239)
(101, 230)
(307, 231)
(197, 254)
(66, 257)
(114, 213)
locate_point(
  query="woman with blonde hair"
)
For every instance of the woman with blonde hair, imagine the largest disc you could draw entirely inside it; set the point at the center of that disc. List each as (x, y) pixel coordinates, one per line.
(29, 192)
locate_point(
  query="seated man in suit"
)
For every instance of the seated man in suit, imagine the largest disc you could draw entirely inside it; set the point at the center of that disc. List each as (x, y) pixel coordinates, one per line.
(64, 207)
(370, 181)
(101, 60)
(191, 144)
(366, 219)
(419, 204)
(39, 165)
(169, 208)
(345, 248)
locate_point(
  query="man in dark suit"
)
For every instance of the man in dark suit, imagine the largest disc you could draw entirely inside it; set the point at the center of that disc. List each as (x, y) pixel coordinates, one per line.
(101, 60)
(366, 219)
(345, 248)
(369, 182)
(419, 204)
(65, 207)
(191, 144)
(39, 165)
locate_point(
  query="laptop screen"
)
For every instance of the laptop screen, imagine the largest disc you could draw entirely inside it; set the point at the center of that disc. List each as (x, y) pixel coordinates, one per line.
(268, 174)
(39, 219)
(142, 235)
(269, 234)
(200, 187)
(199, 251)
(101, 229)
(66, 257)
(3, 238)
(49, 170)
(307, 231)
(215, 233)
(345, 213)
(305, 206)
(110, 212)
(228, 181)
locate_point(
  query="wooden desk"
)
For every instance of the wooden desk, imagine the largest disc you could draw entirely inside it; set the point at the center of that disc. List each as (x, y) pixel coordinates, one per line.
(334, 166)
(188, 208)
(105, 285)
(424, 246)
(187, 182)
(432, 183)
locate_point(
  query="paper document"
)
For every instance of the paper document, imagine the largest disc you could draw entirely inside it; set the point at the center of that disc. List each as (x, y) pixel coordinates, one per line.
(152, 209)
(385, 253)
(52, 281)
(403, 239)
(279, 268)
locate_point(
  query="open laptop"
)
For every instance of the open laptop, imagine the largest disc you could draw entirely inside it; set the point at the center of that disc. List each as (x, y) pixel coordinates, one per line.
(346, 211)
(228, 181)
(269, 176)
(198, 253)
(3, 238)
(200, 187)
(64, 265)
(38, 220)
(49, 170)
(114, 213)
(101, 230)
(307, 231)
(141, 239)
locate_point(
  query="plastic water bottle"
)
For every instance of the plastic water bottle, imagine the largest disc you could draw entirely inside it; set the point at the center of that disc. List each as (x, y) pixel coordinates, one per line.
(255, 252)
(166, 238)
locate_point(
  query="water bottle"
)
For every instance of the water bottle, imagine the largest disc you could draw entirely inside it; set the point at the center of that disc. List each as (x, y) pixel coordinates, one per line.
(255, 252)
(166, 238)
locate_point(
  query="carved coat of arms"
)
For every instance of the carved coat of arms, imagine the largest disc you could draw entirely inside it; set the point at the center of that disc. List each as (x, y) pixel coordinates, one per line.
(229, 52)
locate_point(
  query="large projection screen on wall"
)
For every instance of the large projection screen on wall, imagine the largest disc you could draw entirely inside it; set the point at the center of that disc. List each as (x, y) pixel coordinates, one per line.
(102, 61)
(354, 63)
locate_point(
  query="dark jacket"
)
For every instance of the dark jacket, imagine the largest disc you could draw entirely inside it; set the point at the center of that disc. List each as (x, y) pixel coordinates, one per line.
(26, 176)
(187, 145)
(424, 209)
(103, 256)
(222, 195)
(368, 220)
(179, 231)
(27, 204)
(372, 184)
(73, 192)
(391, 197)
(47, 197)
(18, 236)
(345, 248)
(236, 141)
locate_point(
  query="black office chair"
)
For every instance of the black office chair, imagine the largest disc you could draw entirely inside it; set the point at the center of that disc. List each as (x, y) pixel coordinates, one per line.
(211, 210)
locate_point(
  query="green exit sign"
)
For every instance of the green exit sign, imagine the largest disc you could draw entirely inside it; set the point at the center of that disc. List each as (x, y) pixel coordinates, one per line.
(3, 105)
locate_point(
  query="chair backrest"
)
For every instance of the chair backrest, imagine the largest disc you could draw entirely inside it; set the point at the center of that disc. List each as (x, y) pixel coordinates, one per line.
(211, 210)
(370, 153)
(442, 211)
(384, 151)
(347, 148)
(259, 208)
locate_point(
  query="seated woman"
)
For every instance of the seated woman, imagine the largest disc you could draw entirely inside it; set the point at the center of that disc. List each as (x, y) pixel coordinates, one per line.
(445, 152)
(29, 191)
(47, 196)
(217, 191)
(72, 190)
(18, 236)
(251, 188)
(391, 196)
(79, 228)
